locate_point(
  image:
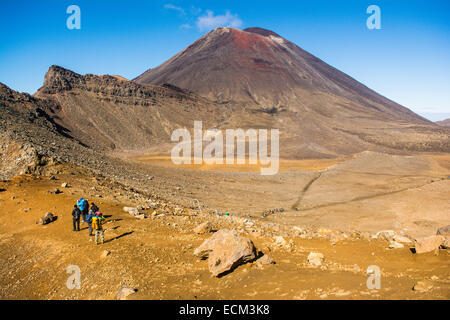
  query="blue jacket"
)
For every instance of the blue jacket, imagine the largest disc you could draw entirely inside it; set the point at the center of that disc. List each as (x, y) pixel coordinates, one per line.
(82, 203)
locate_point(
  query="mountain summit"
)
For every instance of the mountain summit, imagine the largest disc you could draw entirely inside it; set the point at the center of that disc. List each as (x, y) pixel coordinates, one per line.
(260, 67)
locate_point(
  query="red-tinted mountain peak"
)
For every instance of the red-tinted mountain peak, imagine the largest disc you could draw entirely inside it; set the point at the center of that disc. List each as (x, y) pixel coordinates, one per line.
(258, 67)
(261, 31)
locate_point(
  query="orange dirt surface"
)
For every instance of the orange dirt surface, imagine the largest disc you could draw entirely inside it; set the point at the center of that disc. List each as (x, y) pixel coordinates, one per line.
(443, 159)
(155, 255)
(284, 164)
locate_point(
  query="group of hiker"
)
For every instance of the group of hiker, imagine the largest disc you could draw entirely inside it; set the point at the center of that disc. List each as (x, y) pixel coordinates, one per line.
(90, 215)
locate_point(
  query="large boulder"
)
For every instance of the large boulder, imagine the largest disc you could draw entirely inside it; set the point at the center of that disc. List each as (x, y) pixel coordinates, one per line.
(225, 250)
(429, 244)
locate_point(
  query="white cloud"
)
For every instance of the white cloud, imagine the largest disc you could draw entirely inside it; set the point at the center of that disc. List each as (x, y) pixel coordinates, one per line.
(172, 7)
(186, 26)
(210, 21)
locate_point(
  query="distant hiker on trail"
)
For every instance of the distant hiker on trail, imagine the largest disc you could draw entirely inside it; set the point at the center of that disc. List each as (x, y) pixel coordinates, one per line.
(84, 208)
(76, 214)
(97, 225)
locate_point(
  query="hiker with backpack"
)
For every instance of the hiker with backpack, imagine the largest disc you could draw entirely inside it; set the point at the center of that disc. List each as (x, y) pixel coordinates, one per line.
(76, 214)
(94, 208)
(92, 213)
(89, 220)
(97, 225)
(84, 208)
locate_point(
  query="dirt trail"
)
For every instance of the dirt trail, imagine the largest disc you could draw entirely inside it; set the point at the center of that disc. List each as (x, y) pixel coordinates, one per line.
(155, 255)
(304, 190)
(304, 209)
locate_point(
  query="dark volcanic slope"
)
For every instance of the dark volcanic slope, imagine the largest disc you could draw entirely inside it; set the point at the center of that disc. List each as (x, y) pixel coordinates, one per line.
(30, 139)
(107, 112)
(259, 66)
(32, 143)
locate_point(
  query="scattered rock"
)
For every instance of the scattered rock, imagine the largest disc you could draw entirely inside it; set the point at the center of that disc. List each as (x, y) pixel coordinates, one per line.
(280, 241)
(140, 216)
(271, 211)
(444, 231)
(429, 244)
(342, 293)
(365, 236)
(298, 230)
(123, 293)
(65, 185)
(131, 210)
(143, 207)
(446, 244)
(105, 253)
(264, 260)
(385, 234)
(324, 232)
(56, 191)
(336, 237)
(225, 250)
(49, 217)
(315, 259)
(249, 223)
(205, 227)
(395, 245)
(402, 239)
(423, 286)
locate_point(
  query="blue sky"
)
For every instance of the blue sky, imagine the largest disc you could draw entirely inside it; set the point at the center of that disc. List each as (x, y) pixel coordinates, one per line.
(407, 60)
